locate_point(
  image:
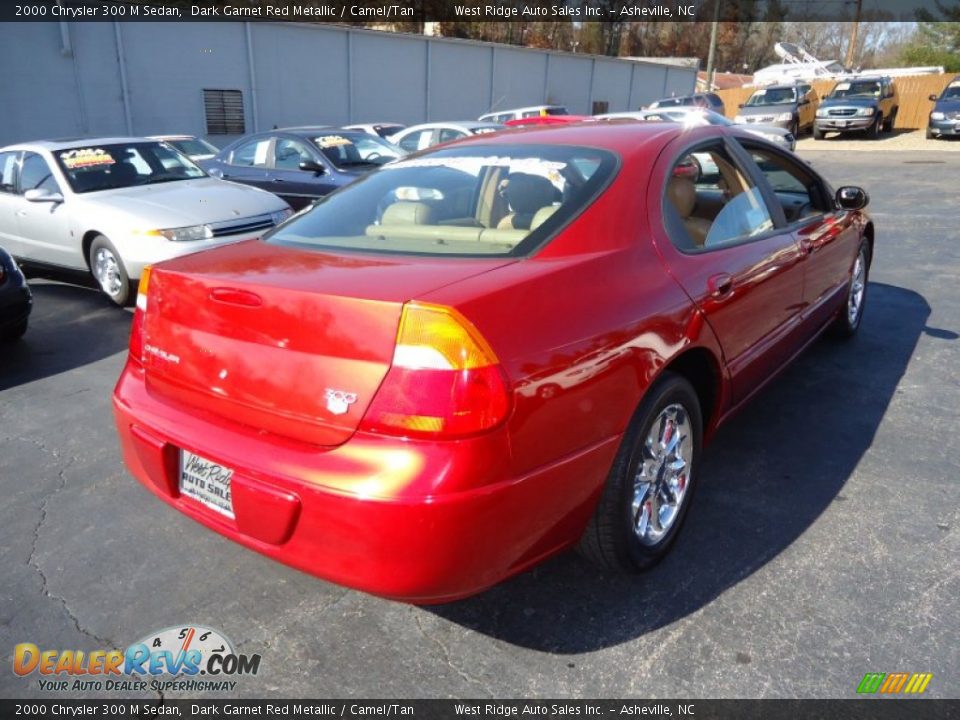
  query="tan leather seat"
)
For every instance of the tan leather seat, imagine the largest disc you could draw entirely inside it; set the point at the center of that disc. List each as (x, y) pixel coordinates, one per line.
(542, 215)
(683, 194)
(408, 213)
(525, 194)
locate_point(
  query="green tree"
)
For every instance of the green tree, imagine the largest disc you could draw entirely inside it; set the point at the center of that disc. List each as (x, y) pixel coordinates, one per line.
(936, 42)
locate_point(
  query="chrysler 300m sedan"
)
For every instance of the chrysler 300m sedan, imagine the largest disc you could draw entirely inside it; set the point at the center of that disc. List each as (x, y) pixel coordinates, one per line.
(484, 354)
(110, 206)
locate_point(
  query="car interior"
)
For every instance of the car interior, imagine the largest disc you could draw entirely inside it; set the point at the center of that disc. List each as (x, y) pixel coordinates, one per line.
(717, 204)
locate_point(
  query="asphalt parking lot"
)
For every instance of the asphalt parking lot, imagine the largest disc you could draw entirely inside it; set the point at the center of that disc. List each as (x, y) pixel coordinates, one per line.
(824, 542)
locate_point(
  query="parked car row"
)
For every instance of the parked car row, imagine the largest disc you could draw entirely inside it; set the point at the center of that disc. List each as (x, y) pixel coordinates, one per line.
(862, 104)
(301, 164)
(111, 206)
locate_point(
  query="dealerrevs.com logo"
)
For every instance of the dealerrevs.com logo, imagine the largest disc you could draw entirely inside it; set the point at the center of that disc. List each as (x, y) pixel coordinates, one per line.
(189, 658)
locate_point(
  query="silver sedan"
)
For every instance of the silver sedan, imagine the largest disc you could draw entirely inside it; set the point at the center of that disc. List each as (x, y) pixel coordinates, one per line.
(111, 206)
(695, 117)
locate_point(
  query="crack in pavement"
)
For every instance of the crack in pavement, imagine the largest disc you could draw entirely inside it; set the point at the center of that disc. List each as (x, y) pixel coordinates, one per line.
(446, 656)
(32, 561)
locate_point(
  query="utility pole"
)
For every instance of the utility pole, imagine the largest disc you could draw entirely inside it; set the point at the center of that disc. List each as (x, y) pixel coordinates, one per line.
(713, 44)
(852, 47)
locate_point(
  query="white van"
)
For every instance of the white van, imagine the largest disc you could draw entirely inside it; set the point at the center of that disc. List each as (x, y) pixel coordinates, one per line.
(501, 116)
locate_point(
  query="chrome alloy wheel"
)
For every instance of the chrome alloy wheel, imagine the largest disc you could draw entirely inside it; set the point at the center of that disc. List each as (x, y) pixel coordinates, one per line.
(857, 287)
(661, 481)
(106, 270)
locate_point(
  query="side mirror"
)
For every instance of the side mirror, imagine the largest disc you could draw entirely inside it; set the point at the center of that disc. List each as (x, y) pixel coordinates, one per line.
(851, 197)
(934, 98)
(42, 195)
(312, 166)
(740, 105)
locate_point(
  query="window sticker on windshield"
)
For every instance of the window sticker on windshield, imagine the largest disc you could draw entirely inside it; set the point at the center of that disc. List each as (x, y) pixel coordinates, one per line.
(85, 157)
(955, 83)
(842, 86)
(329, 141)
(760, 93)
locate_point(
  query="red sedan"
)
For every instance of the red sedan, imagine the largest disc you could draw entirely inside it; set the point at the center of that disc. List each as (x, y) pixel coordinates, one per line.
(482, 355)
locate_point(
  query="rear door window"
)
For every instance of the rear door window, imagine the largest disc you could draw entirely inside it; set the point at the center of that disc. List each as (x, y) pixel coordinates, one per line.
(251, 154)
(712, 203)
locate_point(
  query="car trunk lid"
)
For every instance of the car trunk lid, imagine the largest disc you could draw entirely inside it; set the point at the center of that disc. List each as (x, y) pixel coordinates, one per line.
(292, 342)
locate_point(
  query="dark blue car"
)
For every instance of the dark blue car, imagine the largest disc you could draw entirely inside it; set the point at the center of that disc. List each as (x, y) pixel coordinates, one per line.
(15, 299)
(945, 116)
(301, 164)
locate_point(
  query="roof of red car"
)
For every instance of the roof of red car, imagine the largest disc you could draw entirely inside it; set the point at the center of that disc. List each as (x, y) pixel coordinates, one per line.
(621, 136)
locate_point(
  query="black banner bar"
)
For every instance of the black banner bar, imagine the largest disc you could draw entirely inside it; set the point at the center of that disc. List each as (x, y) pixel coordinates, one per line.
(420, 11)
(872, 709)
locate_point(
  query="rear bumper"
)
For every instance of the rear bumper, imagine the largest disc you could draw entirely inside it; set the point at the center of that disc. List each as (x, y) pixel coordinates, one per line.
(421, 522)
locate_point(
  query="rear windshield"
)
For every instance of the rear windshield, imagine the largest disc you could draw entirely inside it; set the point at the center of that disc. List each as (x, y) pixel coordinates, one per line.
(108, 167)
(489, 200)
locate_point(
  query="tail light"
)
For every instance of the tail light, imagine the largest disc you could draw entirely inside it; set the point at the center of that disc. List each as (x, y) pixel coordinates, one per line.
(136, 329)
(445, 380)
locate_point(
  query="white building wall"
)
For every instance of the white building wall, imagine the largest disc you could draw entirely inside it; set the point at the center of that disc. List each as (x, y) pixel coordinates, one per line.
(289, 74)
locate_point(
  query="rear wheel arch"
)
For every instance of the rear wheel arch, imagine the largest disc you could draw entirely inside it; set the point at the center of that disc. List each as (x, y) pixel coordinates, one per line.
(701, 369)
(868, 234)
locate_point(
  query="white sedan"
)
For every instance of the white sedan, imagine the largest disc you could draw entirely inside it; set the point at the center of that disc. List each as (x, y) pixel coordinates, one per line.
(419, 137)
(111, 206)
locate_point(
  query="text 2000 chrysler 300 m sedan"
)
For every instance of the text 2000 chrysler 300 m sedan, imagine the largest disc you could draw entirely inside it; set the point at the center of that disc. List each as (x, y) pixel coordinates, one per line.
(487, 353)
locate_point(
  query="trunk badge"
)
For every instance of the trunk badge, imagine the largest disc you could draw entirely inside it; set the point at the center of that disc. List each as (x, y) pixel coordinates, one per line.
(338, 401)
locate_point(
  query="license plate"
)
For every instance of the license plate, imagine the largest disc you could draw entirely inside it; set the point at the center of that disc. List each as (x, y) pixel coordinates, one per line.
(842, 123)
(206, 482)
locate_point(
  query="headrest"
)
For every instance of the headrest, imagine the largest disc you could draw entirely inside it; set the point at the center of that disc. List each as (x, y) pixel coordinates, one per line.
(683, 194)
(542, 215)
(408, 213)
(123, 172)
(528, 193)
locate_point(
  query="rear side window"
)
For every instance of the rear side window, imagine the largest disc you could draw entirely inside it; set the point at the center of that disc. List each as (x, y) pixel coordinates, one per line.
(710, 203)
(251, 154)
(490, 200)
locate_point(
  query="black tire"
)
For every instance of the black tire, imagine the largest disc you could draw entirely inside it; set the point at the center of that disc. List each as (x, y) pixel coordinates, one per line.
(888, 125)
(846, 326)
(609, 540)
(114, 282)
(14, 333)
(817, 133)
(795, 129)
(873, 132)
